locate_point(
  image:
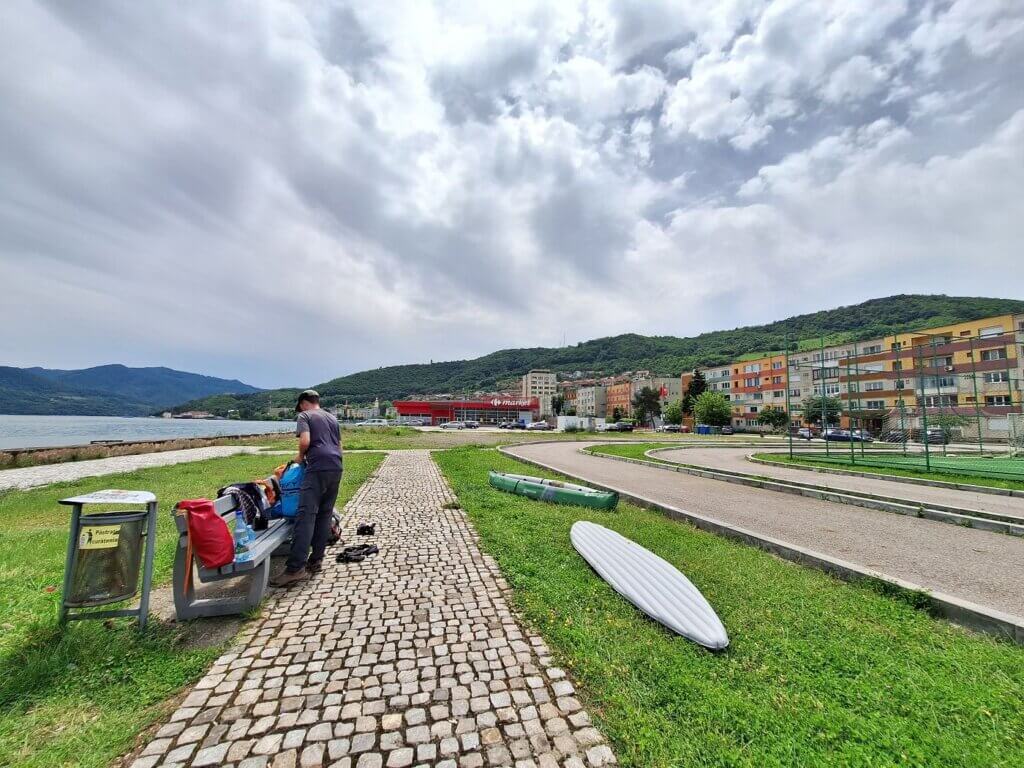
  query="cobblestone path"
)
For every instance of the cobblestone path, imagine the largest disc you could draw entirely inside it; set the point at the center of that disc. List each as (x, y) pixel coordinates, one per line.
(410, 658)
(44, 474)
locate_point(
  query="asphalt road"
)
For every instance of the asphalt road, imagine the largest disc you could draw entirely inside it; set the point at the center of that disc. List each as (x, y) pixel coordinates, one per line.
(985, 568)
(735, 460)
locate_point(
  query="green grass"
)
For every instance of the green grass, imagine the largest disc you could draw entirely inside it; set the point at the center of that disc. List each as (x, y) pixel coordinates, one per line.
(78, 697)
(397, 438)
(912, 467)
(632, 451)
(819, 672)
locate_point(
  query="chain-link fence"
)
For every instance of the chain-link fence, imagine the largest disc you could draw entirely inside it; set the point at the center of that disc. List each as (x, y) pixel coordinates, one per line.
(915, 401)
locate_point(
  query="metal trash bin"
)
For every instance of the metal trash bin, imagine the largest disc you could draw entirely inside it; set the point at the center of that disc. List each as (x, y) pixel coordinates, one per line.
(105, 550)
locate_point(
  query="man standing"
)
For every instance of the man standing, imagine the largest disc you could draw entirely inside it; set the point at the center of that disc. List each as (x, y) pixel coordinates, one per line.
(320, 451)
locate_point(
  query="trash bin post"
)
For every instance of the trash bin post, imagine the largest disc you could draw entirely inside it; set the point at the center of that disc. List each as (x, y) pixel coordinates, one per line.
(147, 564)
(69, 560)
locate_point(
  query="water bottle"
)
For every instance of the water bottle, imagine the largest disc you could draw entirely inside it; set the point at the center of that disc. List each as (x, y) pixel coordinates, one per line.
(241, 534)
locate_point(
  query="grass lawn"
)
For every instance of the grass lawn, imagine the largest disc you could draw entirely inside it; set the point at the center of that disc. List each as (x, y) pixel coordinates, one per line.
(633, 451)
(396, 438)
(80, 696)
(949, 471)
(820, 672)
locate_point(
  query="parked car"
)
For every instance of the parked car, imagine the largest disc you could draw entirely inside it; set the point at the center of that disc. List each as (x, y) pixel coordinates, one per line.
(936, 437)
(453, 425)
(538, 426)
(505, 425)
(860, 435)
(727, 430)
(804, 433)
(517, 425)
(608, 427)
(373, 423)
(470, 424)
(669, 428)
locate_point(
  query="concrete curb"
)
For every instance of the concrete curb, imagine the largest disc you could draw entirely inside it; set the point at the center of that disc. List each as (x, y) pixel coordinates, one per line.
(897, 479)
(962, 612)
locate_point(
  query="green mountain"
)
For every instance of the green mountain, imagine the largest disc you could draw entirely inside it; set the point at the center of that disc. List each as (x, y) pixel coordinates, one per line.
(615, 354)
(106, 390)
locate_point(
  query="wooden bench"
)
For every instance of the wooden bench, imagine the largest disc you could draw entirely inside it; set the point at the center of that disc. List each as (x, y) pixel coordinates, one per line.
(257, 570)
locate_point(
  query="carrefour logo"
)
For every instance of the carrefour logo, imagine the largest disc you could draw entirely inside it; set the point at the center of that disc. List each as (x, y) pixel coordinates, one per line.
(498, 402)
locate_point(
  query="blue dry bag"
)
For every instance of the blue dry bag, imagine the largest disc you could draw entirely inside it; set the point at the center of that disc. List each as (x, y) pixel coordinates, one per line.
(291, 482)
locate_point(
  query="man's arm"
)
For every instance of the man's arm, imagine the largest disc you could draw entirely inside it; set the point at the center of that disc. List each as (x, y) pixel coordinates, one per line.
(302, 432)
(303, 446)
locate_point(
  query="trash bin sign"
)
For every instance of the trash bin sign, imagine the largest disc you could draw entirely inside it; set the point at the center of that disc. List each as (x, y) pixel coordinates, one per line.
(105, 550)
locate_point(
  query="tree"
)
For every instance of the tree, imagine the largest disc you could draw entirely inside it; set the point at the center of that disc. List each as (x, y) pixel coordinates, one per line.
(812, 409)
(646, 404)
(673, 413)
(776, 418)
(687, 404)
(698, 384)
(616, 414)
(712, 408)
(557, 403)
(947, 422)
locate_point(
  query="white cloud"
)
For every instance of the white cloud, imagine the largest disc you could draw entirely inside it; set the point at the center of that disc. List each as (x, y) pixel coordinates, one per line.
(401, 181)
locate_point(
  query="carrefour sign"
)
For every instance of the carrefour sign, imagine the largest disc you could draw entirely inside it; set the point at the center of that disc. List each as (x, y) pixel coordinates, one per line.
(500, 403)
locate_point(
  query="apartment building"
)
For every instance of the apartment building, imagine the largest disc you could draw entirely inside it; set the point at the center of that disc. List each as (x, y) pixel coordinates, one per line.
(619, 397)
(590, 401)
(541, 384)
(971, 369)
(668, 388)
(757, 384)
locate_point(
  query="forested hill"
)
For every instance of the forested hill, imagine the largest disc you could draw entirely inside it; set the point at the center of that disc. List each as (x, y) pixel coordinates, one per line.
(614, 354)
(105, 390)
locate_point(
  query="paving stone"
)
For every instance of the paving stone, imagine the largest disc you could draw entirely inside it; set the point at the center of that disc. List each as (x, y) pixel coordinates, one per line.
(411, 657)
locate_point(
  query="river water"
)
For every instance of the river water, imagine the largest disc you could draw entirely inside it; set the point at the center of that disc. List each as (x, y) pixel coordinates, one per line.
(55, 431)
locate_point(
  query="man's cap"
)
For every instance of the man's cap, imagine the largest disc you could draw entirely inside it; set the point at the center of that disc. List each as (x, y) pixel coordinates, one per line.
(309, 394)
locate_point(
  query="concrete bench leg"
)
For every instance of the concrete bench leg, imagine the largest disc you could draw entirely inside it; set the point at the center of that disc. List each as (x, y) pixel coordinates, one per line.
(187, 606)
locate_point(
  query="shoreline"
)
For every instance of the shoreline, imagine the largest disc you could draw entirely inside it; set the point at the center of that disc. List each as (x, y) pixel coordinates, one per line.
(11, 458)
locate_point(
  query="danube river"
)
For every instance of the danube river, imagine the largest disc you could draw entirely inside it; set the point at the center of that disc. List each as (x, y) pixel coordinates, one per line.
(55, 431)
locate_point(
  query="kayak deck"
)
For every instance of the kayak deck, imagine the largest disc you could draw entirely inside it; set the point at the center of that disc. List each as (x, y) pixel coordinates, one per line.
(543, 489)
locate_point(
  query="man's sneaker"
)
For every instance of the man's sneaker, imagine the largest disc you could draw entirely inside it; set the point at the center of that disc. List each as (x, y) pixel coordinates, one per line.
(314, 566)
(288, 578)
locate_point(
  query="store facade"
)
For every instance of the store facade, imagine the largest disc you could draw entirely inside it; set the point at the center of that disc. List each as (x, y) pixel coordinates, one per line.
(491, 411)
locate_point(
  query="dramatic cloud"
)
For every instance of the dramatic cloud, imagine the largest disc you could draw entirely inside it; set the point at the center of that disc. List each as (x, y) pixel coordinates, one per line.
(289, 191)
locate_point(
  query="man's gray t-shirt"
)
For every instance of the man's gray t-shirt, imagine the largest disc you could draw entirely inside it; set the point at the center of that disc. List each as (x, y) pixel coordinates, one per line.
(324, 453)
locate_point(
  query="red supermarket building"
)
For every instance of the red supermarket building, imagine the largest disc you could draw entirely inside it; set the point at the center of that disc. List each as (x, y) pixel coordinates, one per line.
(491, 411)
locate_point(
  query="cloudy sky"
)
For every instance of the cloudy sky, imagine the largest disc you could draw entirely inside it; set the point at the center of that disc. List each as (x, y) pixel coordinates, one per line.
(287, 191)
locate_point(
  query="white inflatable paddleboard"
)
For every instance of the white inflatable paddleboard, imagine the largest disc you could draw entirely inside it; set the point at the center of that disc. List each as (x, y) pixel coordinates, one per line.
(651, 584)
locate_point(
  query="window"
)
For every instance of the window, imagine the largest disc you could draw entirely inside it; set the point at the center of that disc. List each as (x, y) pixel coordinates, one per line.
(874, 386)
(994, 354)
(874, 349)
(992, 330)
(896, 346)
(758, 396)
(753, 409)
(776, 365)
(875, 405)
(776, 379)
(940, 401)
(778, 393)
(931, 382)
(994, 377)
(794, 393)
(997, 400)
(726, 385)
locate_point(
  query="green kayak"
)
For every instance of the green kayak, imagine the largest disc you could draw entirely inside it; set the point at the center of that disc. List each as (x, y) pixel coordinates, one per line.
(553, 490)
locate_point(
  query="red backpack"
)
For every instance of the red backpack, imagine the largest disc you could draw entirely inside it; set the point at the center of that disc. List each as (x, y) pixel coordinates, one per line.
(208, 534)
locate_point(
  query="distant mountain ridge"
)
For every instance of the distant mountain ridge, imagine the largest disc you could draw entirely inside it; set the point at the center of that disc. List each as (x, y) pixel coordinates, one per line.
(615, 354)
(106, 390)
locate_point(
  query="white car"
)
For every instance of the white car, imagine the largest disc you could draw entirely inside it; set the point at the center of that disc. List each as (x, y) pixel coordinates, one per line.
(373, 423)
(538, 426)
(453, 425)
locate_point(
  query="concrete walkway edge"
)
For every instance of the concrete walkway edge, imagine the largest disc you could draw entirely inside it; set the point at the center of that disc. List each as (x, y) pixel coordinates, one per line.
(962, 612)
